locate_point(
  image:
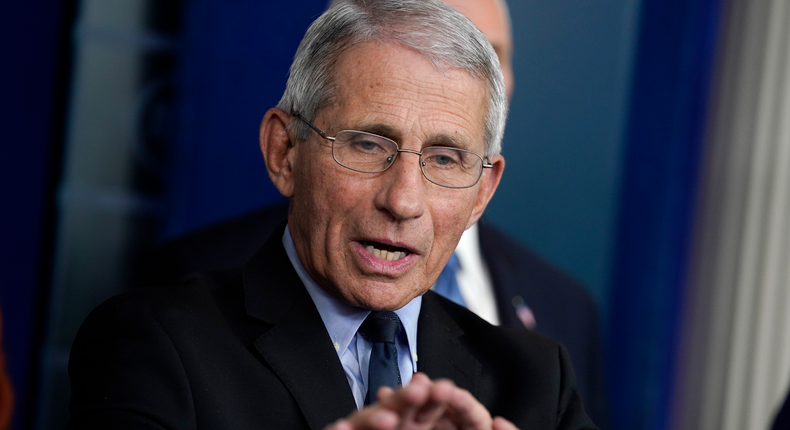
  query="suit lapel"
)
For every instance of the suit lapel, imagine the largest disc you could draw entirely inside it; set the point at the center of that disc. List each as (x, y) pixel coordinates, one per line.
(439, 350)
(297, 347)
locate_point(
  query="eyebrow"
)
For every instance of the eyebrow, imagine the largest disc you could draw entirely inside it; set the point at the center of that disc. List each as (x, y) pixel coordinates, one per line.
(394, 134)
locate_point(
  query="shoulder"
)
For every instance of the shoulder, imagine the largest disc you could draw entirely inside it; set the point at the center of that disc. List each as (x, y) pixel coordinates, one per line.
(138, 354)
(155, 325)
(227, 244)
(196, 289)
(162, 310)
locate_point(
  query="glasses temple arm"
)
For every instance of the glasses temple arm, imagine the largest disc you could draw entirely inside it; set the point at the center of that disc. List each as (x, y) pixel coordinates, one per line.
(320, 133)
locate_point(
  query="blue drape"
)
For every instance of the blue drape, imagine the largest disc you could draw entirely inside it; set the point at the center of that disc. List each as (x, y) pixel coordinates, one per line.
(671, 82)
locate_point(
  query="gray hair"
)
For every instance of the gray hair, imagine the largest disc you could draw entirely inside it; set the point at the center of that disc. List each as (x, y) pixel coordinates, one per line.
(431, 27)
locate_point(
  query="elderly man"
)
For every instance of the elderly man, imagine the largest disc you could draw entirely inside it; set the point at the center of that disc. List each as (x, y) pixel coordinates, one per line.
(494, 276)
(387, 143)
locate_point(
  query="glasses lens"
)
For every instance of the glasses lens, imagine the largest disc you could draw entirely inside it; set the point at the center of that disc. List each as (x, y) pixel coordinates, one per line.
(371, 153)
(451, 167)
(364, 152)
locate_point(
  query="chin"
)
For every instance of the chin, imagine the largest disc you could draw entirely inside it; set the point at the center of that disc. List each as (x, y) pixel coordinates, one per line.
(385, 300)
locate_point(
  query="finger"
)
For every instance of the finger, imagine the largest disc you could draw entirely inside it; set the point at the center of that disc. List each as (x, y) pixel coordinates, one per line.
(469, 413)
(384, 392)
(407, 399)
(420, 404)
(371, 418)
(436, 404)
(503, 424)
(420, 378)
(445, 423)
(405, 402)
(341, 424)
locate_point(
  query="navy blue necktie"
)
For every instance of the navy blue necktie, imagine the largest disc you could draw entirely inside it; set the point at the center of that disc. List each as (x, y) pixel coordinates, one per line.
(447, 283)
(381, 328)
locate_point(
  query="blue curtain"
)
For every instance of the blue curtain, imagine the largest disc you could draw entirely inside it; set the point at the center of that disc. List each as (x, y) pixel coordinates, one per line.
(33, 90)
(671, 81)
(234, 63)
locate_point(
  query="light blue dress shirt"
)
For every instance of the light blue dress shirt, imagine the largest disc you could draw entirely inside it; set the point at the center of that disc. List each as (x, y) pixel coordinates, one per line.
(342, 322)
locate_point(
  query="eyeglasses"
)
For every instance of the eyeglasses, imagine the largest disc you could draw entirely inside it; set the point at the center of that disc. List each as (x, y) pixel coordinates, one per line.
(370, 153)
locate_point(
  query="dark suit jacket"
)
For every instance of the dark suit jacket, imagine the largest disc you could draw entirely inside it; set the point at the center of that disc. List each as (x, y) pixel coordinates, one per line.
(252, 353)
(563, 308)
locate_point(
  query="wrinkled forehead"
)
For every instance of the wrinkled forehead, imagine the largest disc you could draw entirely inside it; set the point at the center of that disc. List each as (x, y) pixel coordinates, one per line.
(388, 87)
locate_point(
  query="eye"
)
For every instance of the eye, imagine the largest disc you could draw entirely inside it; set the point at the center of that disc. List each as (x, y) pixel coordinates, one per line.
(443, 160)
(368, 144)
(442, 157)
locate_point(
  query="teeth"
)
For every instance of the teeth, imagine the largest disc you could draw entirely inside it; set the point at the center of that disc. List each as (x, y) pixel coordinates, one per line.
(384, 254)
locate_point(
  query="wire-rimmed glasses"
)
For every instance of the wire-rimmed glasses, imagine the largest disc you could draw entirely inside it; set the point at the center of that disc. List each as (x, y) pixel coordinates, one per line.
(366, 152)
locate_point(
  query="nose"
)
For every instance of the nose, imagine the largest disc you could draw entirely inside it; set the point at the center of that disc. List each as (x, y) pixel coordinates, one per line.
(402, 189)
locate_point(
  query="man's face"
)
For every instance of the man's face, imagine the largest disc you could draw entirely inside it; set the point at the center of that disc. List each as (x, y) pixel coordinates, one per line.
(491, 18)
(337, 214)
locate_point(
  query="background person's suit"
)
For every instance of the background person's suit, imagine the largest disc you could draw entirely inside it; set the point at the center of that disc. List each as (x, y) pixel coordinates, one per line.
(562, 307)
(252, 353)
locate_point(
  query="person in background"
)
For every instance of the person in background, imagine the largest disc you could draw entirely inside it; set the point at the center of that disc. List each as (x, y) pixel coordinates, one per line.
(494, 276)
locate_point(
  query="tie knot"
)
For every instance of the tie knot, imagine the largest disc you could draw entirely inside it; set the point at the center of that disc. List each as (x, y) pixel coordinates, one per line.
(381, 326)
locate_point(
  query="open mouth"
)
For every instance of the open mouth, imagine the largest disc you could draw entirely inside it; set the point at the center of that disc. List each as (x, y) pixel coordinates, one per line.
(385, 252)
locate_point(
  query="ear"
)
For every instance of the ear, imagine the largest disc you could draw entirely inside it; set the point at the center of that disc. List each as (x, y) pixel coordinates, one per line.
(487, 186)
(278, 150)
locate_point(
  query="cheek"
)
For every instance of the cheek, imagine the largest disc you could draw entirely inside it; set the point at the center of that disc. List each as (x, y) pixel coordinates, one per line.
(456, 206)
(310, 202)
(326, 201)
(314, 179)
(450, 213)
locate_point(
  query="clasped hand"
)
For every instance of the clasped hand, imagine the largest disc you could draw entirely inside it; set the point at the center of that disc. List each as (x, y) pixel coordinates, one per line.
(423, 405)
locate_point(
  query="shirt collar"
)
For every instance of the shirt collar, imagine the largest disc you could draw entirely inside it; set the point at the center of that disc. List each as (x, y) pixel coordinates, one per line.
(343, 320)
(468, 250)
